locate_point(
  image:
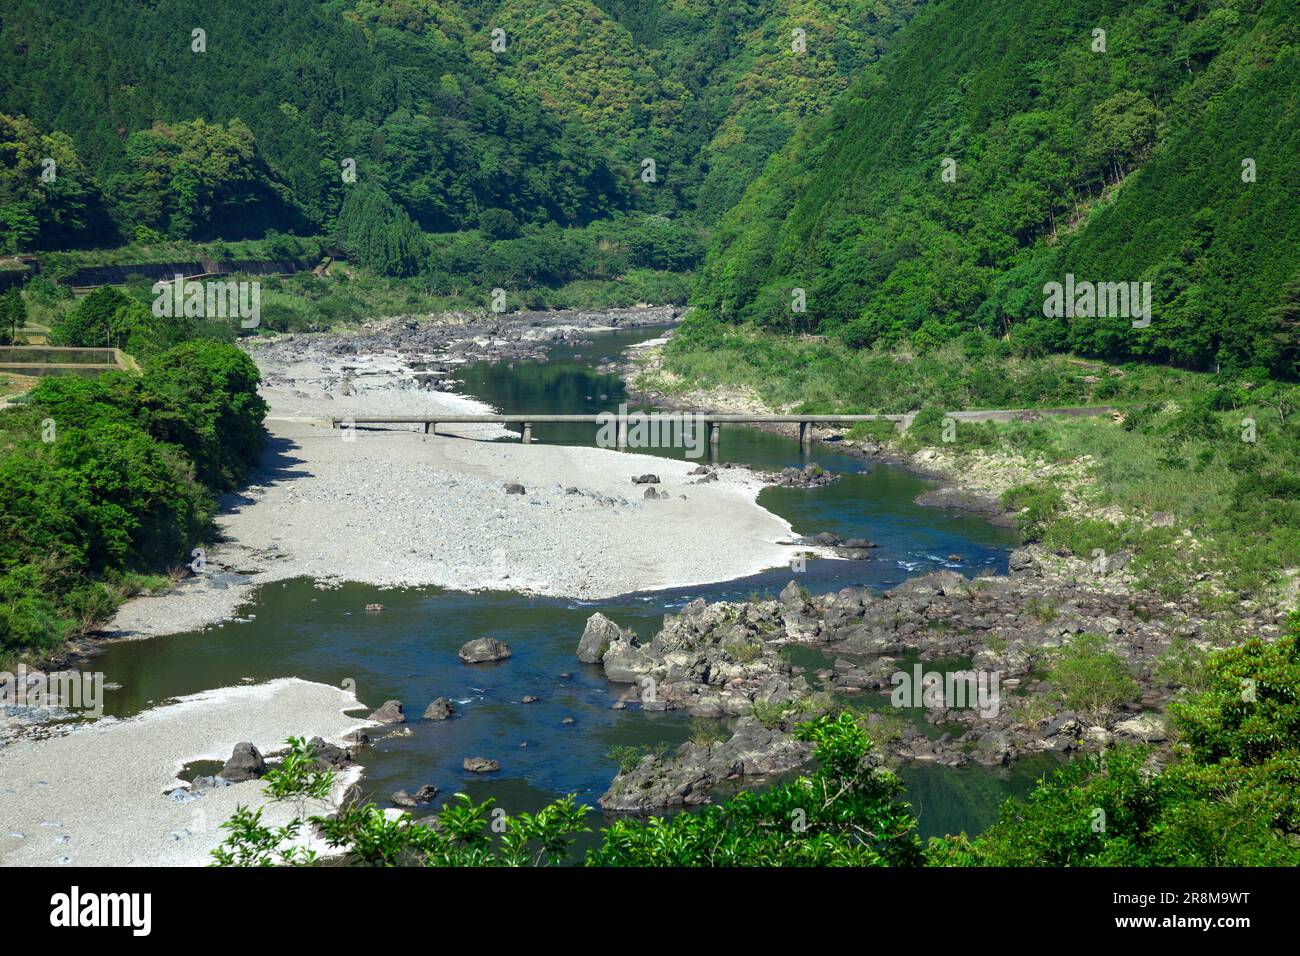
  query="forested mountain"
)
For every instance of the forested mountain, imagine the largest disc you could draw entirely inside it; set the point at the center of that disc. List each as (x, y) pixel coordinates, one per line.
(1161, 150)
(153, 135)
(915, 191)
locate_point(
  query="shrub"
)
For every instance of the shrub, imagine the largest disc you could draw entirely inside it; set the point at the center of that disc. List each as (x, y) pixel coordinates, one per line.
(1229, 800)
(1038, 503)
(1092, 680)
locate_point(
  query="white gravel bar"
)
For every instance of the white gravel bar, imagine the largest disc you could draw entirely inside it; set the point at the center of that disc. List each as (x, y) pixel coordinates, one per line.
(95, 796)
(395, 507)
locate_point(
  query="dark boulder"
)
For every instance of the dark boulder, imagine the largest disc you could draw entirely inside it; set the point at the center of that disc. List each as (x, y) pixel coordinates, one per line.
(328, 756)
(389, 713)
(245, 763)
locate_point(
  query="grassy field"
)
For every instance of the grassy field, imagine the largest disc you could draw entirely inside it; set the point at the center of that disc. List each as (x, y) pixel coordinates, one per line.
(1198, 478)
(1206, 501)
(813, 374)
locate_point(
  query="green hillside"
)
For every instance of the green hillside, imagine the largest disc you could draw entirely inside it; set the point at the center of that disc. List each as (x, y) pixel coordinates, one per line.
(1122, 165)
(156, 139)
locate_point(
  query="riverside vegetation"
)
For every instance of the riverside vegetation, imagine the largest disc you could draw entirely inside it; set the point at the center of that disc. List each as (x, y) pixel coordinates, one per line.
(1215, 455)
(108, 483)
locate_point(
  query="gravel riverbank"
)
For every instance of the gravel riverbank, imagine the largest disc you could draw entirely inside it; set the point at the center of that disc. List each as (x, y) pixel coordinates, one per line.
(395, 507)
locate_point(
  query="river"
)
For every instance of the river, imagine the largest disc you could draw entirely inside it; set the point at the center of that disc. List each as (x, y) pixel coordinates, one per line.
(408, 653)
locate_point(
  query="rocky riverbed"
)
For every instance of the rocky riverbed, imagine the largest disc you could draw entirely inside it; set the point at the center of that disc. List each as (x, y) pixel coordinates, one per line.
(421, 353)
(732, 659)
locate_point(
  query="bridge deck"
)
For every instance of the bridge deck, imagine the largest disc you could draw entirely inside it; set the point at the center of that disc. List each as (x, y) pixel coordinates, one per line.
(602, 417)
(714, 421)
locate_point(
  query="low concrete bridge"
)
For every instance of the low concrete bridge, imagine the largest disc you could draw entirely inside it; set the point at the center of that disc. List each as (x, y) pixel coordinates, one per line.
(693, 419)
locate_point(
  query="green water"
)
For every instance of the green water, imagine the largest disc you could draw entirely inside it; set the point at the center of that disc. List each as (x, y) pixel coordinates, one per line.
(408, 652)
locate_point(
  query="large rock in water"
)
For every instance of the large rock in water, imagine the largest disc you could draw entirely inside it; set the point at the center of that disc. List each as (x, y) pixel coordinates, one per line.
(440, 709)
(245, 763)
(389, 713)
(481, 765)
(484, 649)
(599, 635)
(328, 756)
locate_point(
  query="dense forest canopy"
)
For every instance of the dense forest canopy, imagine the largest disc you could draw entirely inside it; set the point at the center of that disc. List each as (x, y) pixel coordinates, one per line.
(553, 126)
(1117, 142)
(912, 187)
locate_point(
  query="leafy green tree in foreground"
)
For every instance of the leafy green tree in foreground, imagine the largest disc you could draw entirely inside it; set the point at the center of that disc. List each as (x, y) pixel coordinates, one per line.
(844, 813)
(1232, 798)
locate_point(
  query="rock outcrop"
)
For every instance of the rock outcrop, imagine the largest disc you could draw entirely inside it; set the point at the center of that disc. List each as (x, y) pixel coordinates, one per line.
(990, 640)
(709, 660)
(690, 776)
(599, 634)
(390, 712)
(440, 709)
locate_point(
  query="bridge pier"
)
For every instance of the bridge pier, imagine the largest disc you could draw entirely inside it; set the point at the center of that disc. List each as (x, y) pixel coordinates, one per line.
(621, 441)
(715, 438)
(805, 437)
(528, 433)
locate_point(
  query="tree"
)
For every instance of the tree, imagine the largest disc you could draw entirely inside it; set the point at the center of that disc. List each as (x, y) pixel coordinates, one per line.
(13, 313)
(47, 197)
(1285, 319)
(378, 234)
(1123, 128)
(94, 322)
(498, 224)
